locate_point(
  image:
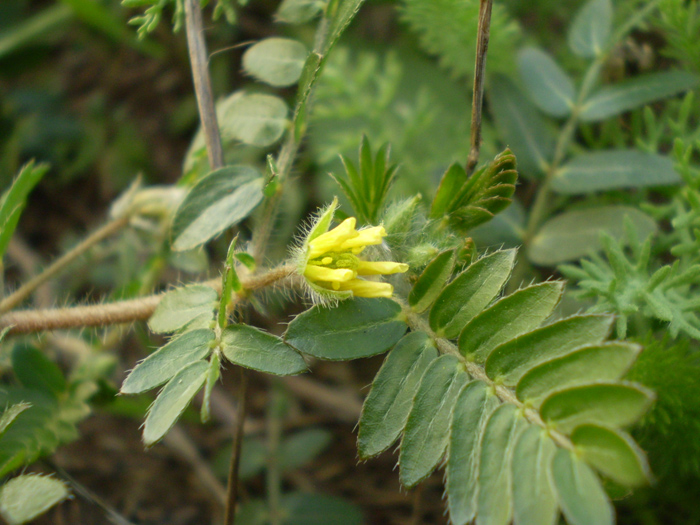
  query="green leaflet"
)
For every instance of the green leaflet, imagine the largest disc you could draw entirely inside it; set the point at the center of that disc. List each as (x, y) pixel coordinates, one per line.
(486, 192)
(10, 414)
(216, 202)
(577, 233)
(604, 362)
(180, 306)
(452, 181)
(522, 127)
(299, 11)
(168, 360)
(386, 408)
(610, 404)
(354, 328)
(35, 371)
(534, 501)
(340, 13)
(276, 61)
(581, 496)
(52, 409)
(14, 199)
(252, 348)
(428, 427)
(431, 281)
(309, 75)
(299, 508)
(590, 32)
(510, 361)
(302, 447)
(613, 452)
(473, 407)
(230, 283)
(494, 499)
(173, 400)
(509, 317)
(613, 100)
(606, 170)
(27, 496)
(367, 188)
(549, 86)
(470, 292)
(254, 118)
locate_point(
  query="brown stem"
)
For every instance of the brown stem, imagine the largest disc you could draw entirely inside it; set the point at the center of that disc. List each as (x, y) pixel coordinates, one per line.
(202, 82)
(482, 46)
(28, 321)
(23, 292)
(232, 493)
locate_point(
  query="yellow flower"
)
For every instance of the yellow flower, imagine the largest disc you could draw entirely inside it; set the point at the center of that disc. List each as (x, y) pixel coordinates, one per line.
(331, 264)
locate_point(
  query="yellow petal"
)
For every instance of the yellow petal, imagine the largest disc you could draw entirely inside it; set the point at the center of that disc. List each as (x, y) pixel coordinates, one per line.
(362, 288)
(365, 237)
(380, 268)
(321, 273)
(332, 240)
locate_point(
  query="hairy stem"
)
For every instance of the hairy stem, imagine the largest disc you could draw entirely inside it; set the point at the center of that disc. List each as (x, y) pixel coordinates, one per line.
(60, 264)
(482, 46)
(119, 312)
(202, 83)
(232, 484)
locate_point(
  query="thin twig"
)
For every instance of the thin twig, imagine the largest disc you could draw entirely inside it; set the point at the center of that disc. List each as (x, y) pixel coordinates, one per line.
(275, 414)
(180, 443)
(112, 515)
(119, 312)
(60, 264)
(232, 496)
(344, 406)
(202, 82)
(482, 46)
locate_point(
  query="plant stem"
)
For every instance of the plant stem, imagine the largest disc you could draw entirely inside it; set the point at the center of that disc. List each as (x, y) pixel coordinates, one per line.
(544, 193)
(202, 83)
(543, 198)
(24, 291)
(232, 490)
(275, 415)
(119, 312)
(285, 160)
(482, 46)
